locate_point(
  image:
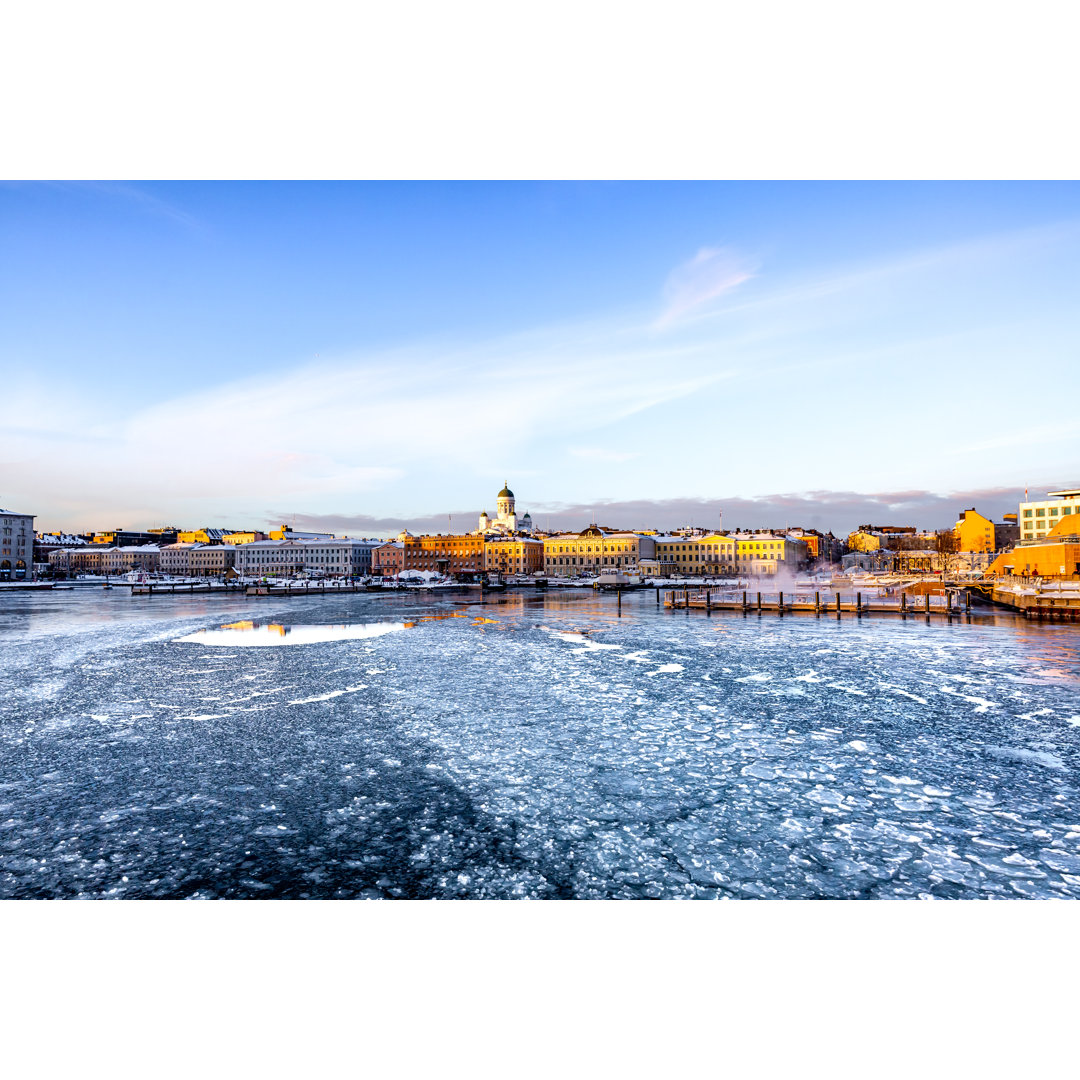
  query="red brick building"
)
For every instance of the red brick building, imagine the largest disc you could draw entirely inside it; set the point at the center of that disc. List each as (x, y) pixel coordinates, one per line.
(444, 554)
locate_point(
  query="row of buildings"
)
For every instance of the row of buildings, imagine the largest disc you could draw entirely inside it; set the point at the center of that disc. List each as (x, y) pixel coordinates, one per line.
(509, 545)
(592, 551)
(972, 533)
(595, 550)
(329, 557)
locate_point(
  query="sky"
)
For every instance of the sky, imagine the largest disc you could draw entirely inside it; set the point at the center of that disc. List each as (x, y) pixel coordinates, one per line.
(370, 356)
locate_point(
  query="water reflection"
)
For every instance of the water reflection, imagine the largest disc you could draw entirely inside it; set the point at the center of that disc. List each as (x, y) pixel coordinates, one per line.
(246, 633)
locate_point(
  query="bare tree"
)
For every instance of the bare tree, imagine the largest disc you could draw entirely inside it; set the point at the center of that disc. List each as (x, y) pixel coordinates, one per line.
(947, 544)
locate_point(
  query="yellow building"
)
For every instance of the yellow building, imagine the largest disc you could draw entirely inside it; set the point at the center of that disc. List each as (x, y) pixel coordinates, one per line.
(242, 537)
(595, 549)
(202, 536)
(287, 533)
(974, 532)
(718, 553)
(768, 553)
(514, 555)
(1056, 555)
(734, 553)
(863, 541)
(695, 555)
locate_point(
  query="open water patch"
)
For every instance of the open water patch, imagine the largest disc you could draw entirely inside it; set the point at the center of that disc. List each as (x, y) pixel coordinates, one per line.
(269, 635)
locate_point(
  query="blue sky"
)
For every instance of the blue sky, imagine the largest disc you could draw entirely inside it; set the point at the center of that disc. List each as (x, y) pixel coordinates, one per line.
(363, 354)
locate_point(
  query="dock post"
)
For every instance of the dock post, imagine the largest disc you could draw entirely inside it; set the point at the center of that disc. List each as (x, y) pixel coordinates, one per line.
(817, 602)
(928, 605)
(708, 601)
(838, 605)
(903, 603)
(967, 599)
(618, 594)
(780, 604)
(759, 602)
(657, 595)
(858, 603)
(744, 601)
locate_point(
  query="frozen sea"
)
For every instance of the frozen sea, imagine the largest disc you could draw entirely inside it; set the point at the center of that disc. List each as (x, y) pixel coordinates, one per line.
(427, 745)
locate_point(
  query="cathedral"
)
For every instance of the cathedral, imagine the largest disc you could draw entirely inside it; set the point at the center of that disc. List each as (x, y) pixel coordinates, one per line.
(506, 520)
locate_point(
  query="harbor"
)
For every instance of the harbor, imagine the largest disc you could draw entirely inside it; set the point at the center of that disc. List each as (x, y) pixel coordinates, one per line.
(1031, 598)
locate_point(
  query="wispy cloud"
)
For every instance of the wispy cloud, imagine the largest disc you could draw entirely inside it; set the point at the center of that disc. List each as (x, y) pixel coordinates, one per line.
(693, 285)
(352, 427)
(132, 194)
(846, 280)
(841, 511)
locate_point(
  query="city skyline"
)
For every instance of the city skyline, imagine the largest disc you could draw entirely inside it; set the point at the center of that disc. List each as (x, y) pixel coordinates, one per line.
(792, 353)
(836, 512)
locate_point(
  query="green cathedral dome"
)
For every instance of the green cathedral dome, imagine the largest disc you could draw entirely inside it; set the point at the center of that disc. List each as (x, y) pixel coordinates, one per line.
(506, 493)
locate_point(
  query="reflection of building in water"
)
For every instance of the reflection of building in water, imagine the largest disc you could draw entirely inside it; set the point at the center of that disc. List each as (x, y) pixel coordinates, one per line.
(506, 519)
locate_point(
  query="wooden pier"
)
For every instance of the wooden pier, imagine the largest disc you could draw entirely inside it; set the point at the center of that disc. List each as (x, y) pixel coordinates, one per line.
(818, 603)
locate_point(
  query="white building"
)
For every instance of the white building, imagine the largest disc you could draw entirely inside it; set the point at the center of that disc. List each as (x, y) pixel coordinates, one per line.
(186, 559)
(16, 546)
(329, 558)
(1038, 518)
(506, 519)
(103, 559)
(122, 560)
